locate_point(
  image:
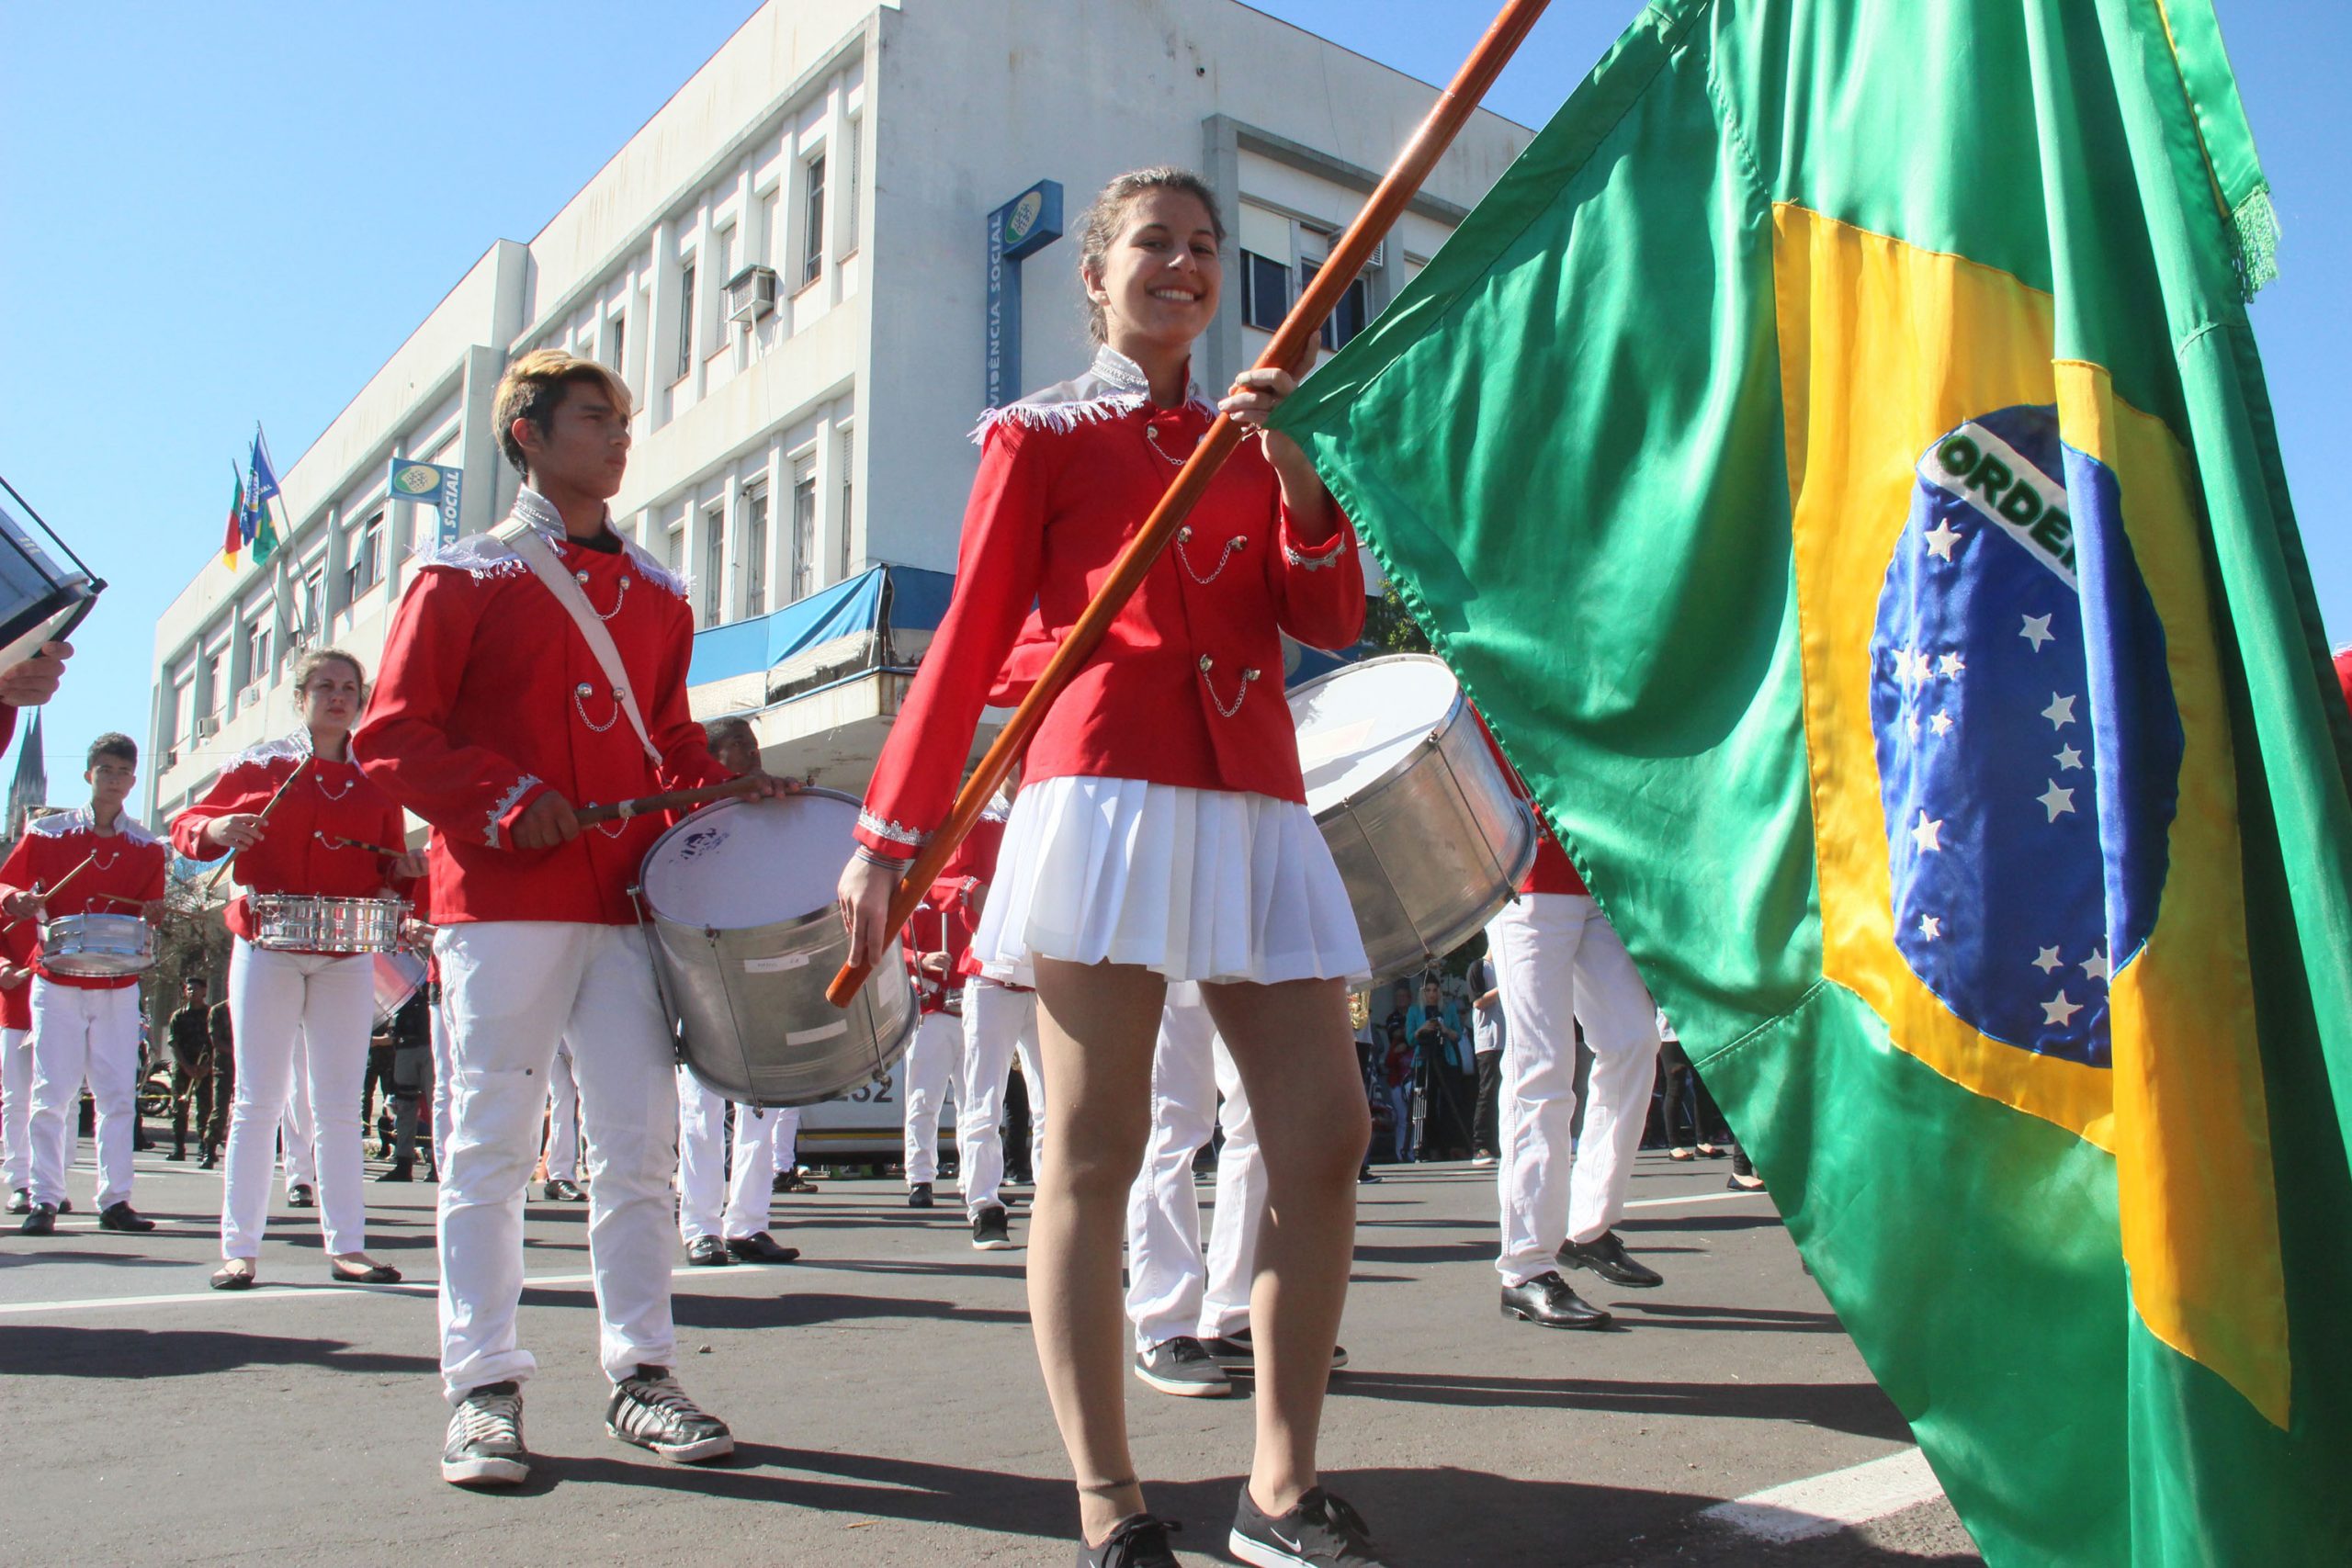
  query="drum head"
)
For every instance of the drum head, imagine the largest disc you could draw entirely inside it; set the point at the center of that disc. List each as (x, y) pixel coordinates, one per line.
(743, 864)
(1357, 725)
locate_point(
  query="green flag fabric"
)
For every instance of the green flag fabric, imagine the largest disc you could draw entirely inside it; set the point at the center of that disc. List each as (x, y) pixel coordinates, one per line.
(1836, 460)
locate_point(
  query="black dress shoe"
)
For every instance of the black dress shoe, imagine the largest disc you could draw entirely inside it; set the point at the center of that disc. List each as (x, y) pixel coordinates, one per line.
(228, 1279)
(707, 1252)
(299, 1196)
(761, 1247)
(402, 1170)
(1607, 1256)
(176, 1156)
(123, 1217)
(40, 1220)
(373, 1274)
(918, 1195)
(209, 1162)
(791, 1181)
(1546, 1301)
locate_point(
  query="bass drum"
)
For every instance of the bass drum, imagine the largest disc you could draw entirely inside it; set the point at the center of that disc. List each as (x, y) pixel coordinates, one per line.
(1430, 836)
(746, 935)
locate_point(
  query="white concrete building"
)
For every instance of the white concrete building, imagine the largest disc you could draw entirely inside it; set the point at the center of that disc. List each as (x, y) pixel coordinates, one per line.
(788, 264)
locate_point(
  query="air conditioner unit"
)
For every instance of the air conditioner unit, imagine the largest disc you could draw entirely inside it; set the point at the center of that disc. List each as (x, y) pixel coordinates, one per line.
(751, 294)
(208, 726)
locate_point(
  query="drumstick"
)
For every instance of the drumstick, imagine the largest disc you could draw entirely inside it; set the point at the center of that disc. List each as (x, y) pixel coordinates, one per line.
(337, 841)
(45, 892)
(1389, 201)
(271, 805)
(675, 800)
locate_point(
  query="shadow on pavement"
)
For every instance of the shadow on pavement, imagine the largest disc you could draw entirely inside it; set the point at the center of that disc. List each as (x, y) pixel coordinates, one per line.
(1857, 1407)
(81, 1352)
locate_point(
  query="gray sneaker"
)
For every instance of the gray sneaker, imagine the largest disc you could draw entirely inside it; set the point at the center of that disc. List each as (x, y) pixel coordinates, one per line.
(652, 1411)
(485, 1446)
(1183, 1367)
(990, 1232)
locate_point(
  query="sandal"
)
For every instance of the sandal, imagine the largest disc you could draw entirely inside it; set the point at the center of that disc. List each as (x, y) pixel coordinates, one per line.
(373, 1274)
(228, 1279)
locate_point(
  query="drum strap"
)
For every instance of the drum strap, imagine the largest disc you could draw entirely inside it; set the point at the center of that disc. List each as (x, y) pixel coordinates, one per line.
(535, 553)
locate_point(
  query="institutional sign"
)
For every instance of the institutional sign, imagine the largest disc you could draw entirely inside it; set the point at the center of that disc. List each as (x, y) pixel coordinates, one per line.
(429, 484)
(1020, 228)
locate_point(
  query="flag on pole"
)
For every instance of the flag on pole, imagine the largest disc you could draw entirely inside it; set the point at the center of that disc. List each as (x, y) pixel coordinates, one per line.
(234, 540)
(259, 492)
(1835, 459)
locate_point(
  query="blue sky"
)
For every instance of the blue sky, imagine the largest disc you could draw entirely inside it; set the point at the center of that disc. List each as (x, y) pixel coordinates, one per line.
(235, 212)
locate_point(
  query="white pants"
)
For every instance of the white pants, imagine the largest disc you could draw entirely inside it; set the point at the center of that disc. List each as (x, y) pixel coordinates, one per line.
(1172, 1290)
(298, 1133)
(81, 1033)
(300, 1024)
(785, 1139)
(1561, 964)
(15, 1107)
(928, 1071)
(513, 989)
(997, 1022)
(563, 1118)
(706, 1174)
(440, 1082)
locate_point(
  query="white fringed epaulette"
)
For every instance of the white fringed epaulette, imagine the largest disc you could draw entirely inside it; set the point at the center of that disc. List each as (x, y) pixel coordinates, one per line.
(58, 824)
(487, 555)
(1113, 385)
(287, 748)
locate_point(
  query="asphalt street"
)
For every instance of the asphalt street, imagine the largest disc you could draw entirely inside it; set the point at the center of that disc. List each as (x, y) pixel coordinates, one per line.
(886, 1399)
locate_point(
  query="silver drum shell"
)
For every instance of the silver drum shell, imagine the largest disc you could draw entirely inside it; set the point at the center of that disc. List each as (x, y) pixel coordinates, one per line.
(97, 946)
(753, 1021)
(1432, 849)
(306, 922)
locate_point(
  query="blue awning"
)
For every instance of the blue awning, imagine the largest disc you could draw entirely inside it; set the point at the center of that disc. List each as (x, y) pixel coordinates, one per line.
(853, 609)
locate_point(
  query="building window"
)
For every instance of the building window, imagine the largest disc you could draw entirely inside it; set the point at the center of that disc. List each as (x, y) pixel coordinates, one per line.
(1265, 291)
(714, 565)
(257, 650)
(755, 551)
(183, 711)
(365, 568)
(845, 216)
(314, 602)
(216, 682)
(685, 318)
(677, 550)
(849, 495)
(1348, 317)
(812, 223)
(616, 345)
(804, 533)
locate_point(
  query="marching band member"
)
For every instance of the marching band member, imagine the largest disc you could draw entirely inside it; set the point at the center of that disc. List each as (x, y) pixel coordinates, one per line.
(560, 1160)
(1160, 836)
(936, 940)
(1000, 1024)
(298, 1131)
(301, 1020)
(528, 669)
(85, 1026)
(1562, 964)
(20, 945)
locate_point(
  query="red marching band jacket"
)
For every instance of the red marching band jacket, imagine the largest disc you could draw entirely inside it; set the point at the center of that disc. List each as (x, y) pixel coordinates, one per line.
(126, 872)
(1553, 871)
(1187, 686)
(312, 841)
(489, 697)
(949, 915)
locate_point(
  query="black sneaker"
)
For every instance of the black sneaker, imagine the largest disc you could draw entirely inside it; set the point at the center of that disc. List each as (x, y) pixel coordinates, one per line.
(990, 1233)
(123, 1217)
(1607, 1256)
(564, 1190)
(485, 1443)
(708, 1252)
(1139, 1541)
(1183, 1367)
(299, 1196)
(652, 1411)
(1321, 1532)
(792, 1181)
(919, 1196)
(41, 1219)
(1235, 1352)
(20, 1202)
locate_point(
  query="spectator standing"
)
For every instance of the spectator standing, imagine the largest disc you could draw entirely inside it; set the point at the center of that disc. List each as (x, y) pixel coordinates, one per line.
(1443, 1054)
(190, 1032)
(221, 1026)
(1488, 1031)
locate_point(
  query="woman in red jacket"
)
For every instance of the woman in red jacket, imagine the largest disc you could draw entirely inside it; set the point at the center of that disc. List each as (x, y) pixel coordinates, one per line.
(324, 838)
(1161, 835)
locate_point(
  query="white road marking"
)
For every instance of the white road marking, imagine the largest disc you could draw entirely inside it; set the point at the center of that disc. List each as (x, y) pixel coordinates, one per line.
(1824, 1504)
(271, 1289)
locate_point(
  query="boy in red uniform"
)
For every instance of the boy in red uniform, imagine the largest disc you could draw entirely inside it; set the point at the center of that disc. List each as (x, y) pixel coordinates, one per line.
(19, 944)
(85, 1026)
(502, 701)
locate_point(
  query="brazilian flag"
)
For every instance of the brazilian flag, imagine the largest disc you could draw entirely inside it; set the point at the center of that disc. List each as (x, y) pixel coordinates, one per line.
(1836, 460)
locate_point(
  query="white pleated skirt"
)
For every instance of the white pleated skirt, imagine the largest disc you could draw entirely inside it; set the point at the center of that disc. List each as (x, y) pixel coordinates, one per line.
(1198, 885)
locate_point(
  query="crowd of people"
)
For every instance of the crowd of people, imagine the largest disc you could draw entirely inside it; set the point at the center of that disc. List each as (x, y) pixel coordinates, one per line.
(1148, 928)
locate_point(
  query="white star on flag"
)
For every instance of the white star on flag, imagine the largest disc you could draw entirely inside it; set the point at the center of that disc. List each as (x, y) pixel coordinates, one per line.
(2059, 1009)
(1940, 724)
(2057, 802)
(1927, 834)
(2068, 758)
(1951, 664)
(2061, 711)
(2037, 631)
(2097, 966)
(1921, 669)
(1941, 538)
(2048, 960)
(1930, 927)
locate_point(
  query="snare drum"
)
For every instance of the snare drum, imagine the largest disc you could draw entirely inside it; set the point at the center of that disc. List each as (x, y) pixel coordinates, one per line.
(97, 946)
(1428, 835)
(746, 935)
(303, 922)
